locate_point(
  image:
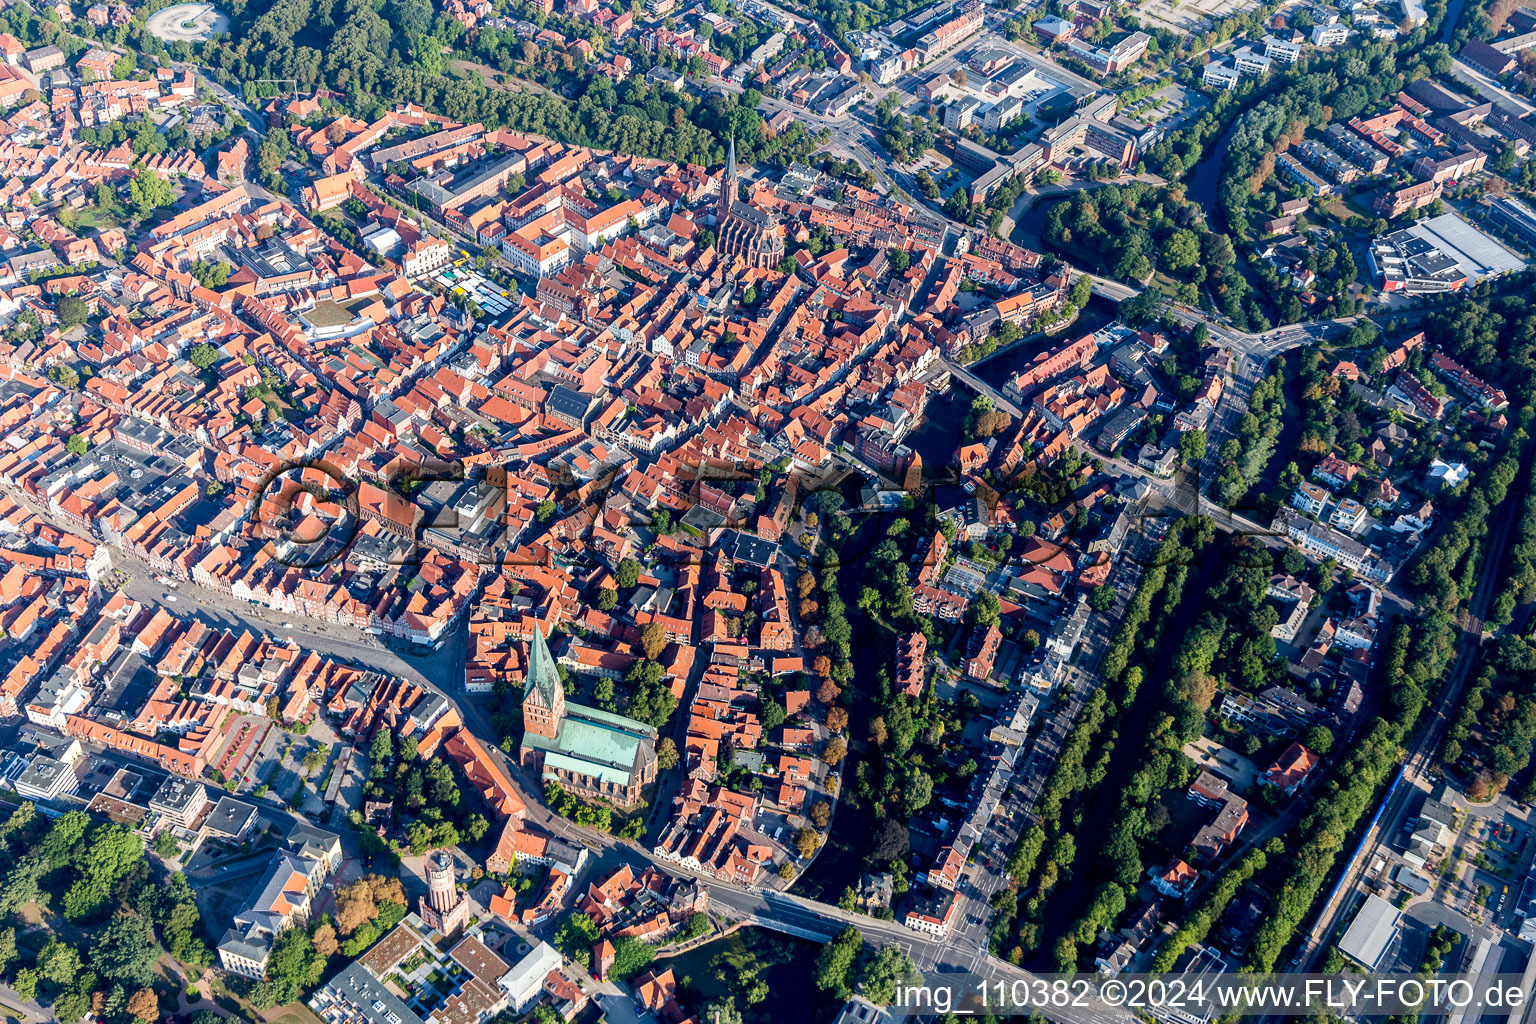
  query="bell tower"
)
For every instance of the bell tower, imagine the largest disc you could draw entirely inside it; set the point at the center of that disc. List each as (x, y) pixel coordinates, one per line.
(727, 185)
(543, 693)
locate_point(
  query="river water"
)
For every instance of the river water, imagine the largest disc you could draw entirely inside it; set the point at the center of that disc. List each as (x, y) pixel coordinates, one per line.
(1202, 184)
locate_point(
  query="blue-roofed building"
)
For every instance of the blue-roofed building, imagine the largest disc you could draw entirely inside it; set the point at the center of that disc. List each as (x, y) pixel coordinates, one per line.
(588, 751)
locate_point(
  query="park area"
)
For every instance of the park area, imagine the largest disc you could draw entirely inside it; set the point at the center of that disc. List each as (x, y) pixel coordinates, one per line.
(192, 23)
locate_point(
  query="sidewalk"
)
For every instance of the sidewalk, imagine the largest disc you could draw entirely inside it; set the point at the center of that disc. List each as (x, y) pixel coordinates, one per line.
(12, 1004)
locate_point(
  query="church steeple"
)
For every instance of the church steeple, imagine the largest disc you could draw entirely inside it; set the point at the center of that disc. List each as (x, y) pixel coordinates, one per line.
(728, 181)
(543, 693)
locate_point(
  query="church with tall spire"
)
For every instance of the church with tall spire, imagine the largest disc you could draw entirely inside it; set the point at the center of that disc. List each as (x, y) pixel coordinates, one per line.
(742, 231)
(590, 752)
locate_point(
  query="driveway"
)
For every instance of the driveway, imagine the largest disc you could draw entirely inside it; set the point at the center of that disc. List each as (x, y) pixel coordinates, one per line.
(619, 1009)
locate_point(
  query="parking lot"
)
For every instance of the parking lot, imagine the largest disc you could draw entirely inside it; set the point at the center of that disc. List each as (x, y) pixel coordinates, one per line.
(1171, 107)
(1476, 879)
(1191, 15)
(292, 768)
(1495, 855)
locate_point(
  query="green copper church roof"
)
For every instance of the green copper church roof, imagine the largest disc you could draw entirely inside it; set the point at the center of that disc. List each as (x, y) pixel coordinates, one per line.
(595, 743)
(587, 741)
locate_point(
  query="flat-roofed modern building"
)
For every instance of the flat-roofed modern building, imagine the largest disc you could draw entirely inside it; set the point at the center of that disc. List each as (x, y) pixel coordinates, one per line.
(1442, 253)
(1371, 935)
(230, 820)
(47, 778)
(179, 801)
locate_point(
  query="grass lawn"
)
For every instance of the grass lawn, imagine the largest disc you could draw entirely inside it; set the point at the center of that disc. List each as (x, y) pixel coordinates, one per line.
(1165, 284)
(1353, 205)
(1340, 210)
(329, 314)
(293, 1013)
(93, 218)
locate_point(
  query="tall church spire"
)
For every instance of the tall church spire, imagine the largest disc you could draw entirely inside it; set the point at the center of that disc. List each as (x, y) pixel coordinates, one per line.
(728, 183)
(543, 694)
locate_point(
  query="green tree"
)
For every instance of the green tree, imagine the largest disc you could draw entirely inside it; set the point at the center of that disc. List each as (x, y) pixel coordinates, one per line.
(1082, 291)
(627, 574)
(148, 192)
(203, 355)
(722, 1011)
(125, 951)
(1318, 739)
(72, 312)
(104, 859)
(653, 640)
(293, 966)
(23, 885)
(1180, 251)
(805, 842)
(576, 936)
(1191, 446)
(881, 975)
(58, 963)
(773, 715)
(630, 957)
(918, 791)
(77, 444)
(835, 963)
(985, 610)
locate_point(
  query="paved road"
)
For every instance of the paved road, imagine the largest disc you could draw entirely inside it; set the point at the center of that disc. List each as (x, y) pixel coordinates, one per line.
(1421, 751)
(1169, 493)
(442, 672)
(936, 958)
(253, 118)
